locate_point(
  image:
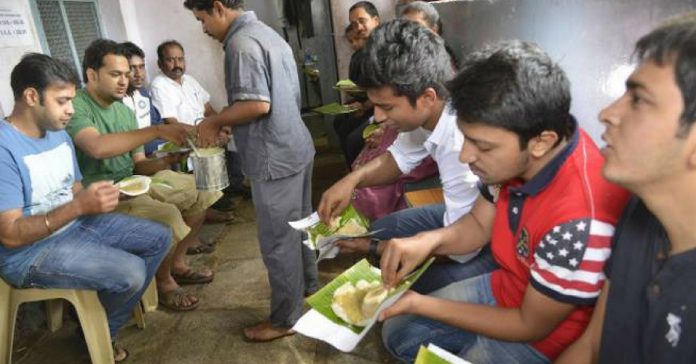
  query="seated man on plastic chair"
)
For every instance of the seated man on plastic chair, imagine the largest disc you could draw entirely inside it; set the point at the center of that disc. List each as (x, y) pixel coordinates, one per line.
(109, 146)
(53, 232)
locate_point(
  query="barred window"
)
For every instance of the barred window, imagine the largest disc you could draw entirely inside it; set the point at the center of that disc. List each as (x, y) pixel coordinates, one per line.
(67, 27)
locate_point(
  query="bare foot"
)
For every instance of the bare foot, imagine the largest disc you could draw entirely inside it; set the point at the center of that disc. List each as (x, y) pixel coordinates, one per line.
(120, 354)
(264, 332)
(215, 216)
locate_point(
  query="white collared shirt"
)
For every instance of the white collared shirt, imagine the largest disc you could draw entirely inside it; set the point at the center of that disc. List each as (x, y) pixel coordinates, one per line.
(444, 143)
(140, 106)
(185, 101)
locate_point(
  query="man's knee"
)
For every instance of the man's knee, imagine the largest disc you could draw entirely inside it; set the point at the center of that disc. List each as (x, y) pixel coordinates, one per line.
(129, 277)
(387, 226)
(396, 340)
(161, 238)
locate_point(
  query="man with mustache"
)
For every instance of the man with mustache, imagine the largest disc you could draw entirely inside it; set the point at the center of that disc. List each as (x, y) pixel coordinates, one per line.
(177, 95)
(181, 99)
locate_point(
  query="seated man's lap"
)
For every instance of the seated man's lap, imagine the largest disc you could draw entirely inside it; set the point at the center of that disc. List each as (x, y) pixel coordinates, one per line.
(403, 335)
(410, 221)
(489, 351)
(85, 264)
(97, 252)
(146, 207)
(180, 190)
(441, 274)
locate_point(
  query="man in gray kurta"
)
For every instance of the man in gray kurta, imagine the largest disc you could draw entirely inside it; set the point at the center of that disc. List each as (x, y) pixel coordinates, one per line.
(275, 147)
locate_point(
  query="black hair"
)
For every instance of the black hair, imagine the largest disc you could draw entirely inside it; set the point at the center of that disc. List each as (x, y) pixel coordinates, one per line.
(675, 42)
(426, 10)
(514, 86)
(40, 71)
(407, 57)
(207, 5)
(367, 6)
(95, 53)
(166, 44)
(131, 50)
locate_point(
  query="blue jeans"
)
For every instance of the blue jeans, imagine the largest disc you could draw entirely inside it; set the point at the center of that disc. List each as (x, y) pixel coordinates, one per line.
(409, 222)
(113, 254)
(403, 335)
(414, 220)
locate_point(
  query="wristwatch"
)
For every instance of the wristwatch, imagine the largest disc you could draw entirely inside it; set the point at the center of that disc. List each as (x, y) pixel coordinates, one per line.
(372, 255)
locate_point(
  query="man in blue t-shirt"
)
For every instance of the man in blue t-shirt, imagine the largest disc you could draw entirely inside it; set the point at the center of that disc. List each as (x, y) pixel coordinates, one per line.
(53, 232)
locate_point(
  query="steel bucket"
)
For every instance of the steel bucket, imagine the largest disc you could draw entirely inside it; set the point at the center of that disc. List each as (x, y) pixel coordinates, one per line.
(210, 171)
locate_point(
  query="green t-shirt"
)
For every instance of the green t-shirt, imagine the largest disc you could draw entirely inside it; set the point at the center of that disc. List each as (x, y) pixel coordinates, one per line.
(116, 118)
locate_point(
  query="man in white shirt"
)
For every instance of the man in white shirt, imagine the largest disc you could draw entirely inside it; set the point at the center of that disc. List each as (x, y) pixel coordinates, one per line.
(407, 90)
(178, 96)
(137, 96)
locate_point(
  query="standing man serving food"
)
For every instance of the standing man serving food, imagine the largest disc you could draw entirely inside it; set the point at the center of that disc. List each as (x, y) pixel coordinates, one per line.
(275, 147)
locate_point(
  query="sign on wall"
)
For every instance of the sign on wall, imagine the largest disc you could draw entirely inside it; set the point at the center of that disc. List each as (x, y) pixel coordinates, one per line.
(14, 25)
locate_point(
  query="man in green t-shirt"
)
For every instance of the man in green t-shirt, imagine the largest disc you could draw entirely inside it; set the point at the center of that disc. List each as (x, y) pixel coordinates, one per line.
(110, 147)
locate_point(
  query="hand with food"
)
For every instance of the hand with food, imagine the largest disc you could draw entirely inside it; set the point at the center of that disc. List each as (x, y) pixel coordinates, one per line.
(208, 133)
(401, 256)
(100, 197)
(335, 200)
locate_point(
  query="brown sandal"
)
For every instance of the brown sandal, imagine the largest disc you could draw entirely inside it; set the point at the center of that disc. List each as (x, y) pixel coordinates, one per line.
(202, 248)
(192, 276)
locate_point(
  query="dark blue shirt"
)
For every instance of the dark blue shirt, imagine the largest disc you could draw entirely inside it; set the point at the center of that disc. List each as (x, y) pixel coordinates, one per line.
(648, 315)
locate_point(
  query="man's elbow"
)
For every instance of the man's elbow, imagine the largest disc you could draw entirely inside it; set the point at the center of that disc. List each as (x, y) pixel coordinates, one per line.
(263, 108)
(96, 152)
(536, 335)
(11, 243)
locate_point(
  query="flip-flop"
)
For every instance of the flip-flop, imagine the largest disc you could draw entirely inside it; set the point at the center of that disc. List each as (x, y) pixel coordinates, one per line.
(192, 276)
(172, 300)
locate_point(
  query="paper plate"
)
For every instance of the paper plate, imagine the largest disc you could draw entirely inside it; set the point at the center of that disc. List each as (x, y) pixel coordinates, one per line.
(134, 185)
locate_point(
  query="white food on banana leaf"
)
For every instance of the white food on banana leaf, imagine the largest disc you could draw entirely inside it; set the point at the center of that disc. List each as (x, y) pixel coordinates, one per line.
(356, 304)
(352, 227)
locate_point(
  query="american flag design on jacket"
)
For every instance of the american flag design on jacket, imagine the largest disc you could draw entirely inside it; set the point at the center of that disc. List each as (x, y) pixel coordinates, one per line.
(569, 261)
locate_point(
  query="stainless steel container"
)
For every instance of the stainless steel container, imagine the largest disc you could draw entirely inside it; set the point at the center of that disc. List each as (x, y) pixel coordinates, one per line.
(210, 170)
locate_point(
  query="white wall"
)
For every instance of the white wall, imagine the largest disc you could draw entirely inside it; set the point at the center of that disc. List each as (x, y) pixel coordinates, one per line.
(111, 20)
(149, 23)
(10, 56)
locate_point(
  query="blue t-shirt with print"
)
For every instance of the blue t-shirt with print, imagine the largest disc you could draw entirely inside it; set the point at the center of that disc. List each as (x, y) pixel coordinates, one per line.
(36, 176)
